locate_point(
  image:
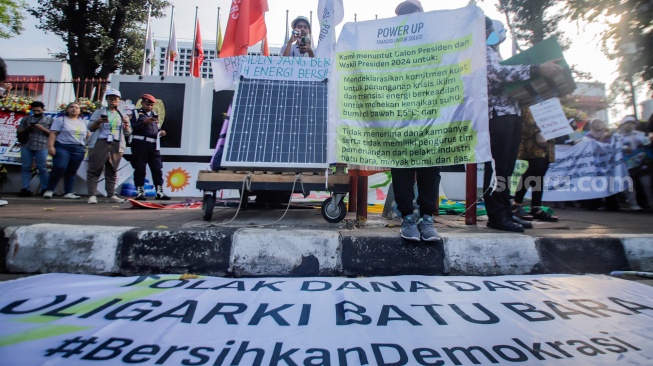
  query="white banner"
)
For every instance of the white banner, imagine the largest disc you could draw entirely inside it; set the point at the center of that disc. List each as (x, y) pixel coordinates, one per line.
(329, 13)
(226, 71)
(411, 91)
(550, 119)
(587, 170)
(61, 319)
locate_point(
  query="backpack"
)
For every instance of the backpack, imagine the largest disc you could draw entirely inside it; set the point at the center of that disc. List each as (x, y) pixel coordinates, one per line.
(22, 137)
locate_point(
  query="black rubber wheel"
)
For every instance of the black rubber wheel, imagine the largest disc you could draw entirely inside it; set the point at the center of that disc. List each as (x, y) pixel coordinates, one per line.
(333, 213)
(208, 204)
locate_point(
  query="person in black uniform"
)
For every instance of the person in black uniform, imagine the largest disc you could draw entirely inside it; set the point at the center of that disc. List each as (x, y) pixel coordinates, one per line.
(145, 150)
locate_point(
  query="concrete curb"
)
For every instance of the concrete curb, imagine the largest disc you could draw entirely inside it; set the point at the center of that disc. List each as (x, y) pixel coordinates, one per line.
(251, 252)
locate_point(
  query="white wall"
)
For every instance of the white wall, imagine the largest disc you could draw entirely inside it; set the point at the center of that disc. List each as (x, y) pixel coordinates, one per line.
(51, 70)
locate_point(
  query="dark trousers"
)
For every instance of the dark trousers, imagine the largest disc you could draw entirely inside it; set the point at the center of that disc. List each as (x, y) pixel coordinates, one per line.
(428, 185)
(145, 154)
(533, 178)
(505, 136)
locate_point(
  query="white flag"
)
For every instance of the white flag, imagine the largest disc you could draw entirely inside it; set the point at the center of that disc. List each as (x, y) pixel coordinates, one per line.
(330, 13)
(149, 50)
(173, 52)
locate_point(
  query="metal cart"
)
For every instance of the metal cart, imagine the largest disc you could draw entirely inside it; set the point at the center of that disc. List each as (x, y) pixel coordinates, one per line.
(333, 208)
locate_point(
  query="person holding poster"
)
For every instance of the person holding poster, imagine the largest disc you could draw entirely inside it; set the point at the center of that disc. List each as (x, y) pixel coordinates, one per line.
(539, 153)
(505, 130)
(427, 178)
(299, 43)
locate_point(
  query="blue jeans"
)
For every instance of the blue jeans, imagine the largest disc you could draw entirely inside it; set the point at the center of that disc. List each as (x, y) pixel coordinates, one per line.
(27, 156)
(65, 163)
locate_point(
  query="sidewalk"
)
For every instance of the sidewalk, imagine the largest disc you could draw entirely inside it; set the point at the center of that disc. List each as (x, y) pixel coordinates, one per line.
(58, 235)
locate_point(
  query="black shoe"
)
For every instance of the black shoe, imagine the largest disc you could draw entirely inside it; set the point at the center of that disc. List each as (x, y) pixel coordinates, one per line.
(525, 224)
(140, 197)
(25, 193)
(506, 225)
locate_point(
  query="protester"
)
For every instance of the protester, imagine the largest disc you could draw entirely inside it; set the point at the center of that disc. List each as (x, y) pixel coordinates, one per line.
(598, 131)
(635, 146)
(37, 126)
(427, 178)
(67, 145)
(110, 127)
(299, 44)
(539, 153)
(145, 148)
(505, 130)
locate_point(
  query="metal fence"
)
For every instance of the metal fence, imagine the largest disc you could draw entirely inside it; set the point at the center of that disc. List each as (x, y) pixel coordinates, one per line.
(53, 93)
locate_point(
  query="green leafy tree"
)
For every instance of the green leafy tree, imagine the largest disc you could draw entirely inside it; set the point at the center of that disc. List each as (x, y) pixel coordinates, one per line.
(11, 17)
(532, 21)
(101, 36)
(628, 39)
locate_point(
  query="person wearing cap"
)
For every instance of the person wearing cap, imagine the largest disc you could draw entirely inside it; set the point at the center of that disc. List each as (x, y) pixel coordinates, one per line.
(299, 44)
(145, 149)
(427, 178)
(109, 127)
(634, 145)
(409, 7)
(505, 129)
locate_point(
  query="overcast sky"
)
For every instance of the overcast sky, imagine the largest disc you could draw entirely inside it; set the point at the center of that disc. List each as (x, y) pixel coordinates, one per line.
(33, 43)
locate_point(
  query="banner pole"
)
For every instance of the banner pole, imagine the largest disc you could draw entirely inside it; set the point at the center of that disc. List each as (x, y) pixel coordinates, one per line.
(470, 194)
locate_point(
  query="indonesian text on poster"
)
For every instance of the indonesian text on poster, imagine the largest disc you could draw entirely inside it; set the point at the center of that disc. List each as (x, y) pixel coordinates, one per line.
(228, 70)
(64, 319)
(411, 91)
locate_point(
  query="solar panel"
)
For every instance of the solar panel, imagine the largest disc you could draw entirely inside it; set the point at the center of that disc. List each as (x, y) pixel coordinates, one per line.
(278, 124)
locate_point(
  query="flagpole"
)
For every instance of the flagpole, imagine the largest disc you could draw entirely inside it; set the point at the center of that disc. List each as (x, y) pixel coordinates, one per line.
(167, 64)
(312, 44)
(147, 32)
(217, 34)
(287, 34)
(192, 60)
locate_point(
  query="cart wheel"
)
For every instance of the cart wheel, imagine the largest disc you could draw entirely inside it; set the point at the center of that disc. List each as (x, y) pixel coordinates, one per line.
(207, 206)
(333, 213)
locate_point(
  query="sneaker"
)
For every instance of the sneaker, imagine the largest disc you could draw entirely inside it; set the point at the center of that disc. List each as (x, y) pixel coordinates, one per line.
(409, 229)
(426, 229)
(25, 193)
(635, 207)
(160, 195)
(48, 194)
(92, 200)
(71, 196)
(140, 194)
(116, 199)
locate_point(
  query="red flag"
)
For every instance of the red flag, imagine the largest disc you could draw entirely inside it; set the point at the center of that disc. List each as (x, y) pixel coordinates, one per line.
(198, 53)
(246, 26)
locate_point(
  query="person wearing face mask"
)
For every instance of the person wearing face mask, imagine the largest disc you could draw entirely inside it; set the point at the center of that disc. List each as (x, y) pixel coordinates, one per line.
(299, 44)
(35, 149)
(505, 129)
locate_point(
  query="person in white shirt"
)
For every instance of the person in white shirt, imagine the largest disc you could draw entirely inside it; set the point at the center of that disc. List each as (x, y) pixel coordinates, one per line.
(636, 148)
(299, 44)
